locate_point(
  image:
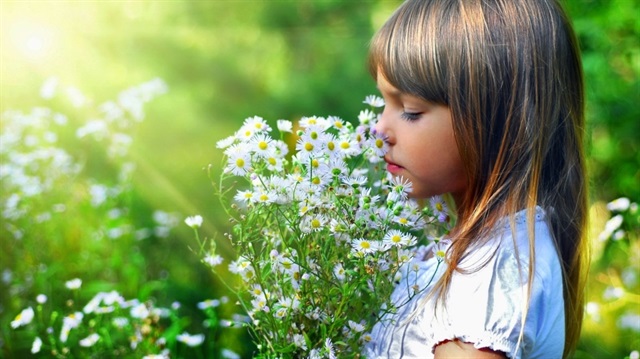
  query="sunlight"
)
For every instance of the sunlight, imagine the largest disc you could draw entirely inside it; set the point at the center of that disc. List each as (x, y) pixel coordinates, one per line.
(33, 40)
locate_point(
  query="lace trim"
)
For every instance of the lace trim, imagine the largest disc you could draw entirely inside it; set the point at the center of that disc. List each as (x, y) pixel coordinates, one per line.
(484, 340)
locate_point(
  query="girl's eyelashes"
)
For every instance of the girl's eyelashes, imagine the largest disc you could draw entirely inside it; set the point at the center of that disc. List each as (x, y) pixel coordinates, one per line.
(410, 116)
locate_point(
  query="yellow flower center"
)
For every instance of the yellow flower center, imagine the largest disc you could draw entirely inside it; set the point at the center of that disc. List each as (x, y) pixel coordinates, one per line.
(272, 161)
(331, 146)
(263, 145)
(315, 223)
(263, 197)
(439, 206)
(308, 146)
(365, 245)
(345, 145)
(315, 163)
(379, 143)
(314, 135)
(403, 221)
(396, 238)
(240, 162)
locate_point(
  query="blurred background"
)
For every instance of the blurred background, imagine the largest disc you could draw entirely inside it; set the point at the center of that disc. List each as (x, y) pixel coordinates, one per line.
(113, 213)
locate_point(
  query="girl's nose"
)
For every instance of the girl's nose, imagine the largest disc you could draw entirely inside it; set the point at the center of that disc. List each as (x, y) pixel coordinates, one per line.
(382, 128)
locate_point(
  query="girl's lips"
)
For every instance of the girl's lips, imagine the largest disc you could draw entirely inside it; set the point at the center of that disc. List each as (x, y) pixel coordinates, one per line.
(393, 168)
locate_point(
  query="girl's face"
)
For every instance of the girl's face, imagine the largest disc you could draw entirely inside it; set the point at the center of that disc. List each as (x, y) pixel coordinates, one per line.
(422, 147)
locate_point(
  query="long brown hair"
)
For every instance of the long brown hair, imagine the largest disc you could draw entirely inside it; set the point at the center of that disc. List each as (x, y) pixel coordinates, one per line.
(510, 72)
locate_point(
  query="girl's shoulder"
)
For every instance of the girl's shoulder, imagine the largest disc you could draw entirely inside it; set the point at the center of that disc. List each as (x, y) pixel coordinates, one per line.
(487, 298)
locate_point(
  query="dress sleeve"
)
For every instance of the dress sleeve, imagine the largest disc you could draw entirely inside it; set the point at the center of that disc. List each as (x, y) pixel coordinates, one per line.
(485, 307)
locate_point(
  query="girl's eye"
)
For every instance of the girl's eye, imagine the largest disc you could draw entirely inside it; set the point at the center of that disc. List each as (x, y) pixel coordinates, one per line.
(410, 116)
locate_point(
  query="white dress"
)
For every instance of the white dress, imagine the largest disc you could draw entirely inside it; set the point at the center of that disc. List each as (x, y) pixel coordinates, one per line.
(484, 307)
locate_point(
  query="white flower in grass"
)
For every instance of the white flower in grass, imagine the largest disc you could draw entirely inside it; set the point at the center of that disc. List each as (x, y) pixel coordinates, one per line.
(139, 311)
(191, 340)
(69, 322)
(373, 101)
(306, 149)
(619, 205)
(36, 346)
(337, 123)
(209, 303)
(339, 272)
(120, 322)
(299, 341)
(256, 123)
(439, 207)
(229, 354)
(379, 144)
(396, 238)
(262, 145)
(313, 223)
(194, 221)
(366, 117)
(440, 249)
(90, 340)
(213, 259)
(244, 196)
(274, 163)
(284, 126)
(313, 120)
(41, 299)
(245, 133)
(328, 345)
(226, 142)
(73, 284)
(238, 163)
(25, 317)
(362, 246)
(356, 327)
(259, 303)
(348, 147)
(399, 189)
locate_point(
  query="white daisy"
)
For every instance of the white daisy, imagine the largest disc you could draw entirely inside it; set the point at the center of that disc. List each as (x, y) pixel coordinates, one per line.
(257, 123)
(190, 340)
(25, 317)
(194, 221)
(374, 101)
(285, 126)
(363, 246)
(238, 163)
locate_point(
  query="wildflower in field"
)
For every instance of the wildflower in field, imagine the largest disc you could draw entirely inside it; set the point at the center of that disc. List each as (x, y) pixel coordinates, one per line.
(213, 259)
(36, 345)
(396, 238)
(190, 340)
(90, 340)
(73, 284)
(284, 126)
(41, 299)
(363, 246)
(194, 221)
(139, 311)
(120, 322)
(374, 101)
(229, 354)
(440, 208)
(25, 317)
(619, 205)
(209, 303)
(339, 272)
(69, 322)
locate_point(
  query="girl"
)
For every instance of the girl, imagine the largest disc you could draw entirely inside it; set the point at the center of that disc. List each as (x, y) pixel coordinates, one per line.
(484, 100)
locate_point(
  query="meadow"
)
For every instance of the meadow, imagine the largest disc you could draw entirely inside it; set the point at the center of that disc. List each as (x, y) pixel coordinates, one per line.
(110, 115)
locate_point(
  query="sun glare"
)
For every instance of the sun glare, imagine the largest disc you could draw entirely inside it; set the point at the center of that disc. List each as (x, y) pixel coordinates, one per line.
(32, 40)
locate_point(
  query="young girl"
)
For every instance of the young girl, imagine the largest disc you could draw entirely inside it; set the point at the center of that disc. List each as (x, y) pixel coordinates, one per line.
(484, 100)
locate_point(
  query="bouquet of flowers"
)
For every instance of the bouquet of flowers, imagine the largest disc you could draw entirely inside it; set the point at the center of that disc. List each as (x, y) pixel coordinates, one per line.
(321, 234)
